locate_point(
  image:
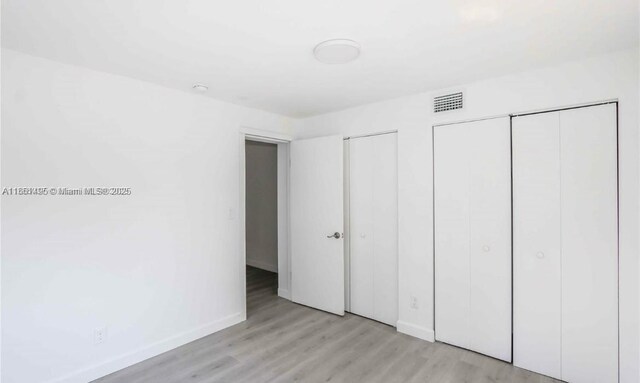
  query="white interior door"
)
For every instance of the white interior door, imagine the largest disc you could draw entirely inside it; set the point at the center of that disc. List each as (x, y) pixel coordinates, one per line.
(317, 215)
(373, 215)
(472, 198)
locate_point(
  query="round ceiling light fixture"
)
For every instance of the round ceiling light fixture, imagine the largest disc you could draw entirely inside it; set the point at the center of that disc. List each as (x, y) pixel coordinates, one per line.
(337, 51)
(200, 88)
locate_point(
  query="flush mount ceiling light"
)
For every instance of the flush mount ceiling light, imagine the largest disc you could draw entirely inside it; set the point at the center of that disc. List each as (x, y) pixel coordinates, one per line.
(338, 51)
(200, 88)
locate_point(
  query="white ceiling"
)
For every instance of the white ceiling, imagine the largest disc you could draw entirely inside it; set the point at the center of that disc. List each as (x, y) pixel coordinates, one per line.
(259, 52)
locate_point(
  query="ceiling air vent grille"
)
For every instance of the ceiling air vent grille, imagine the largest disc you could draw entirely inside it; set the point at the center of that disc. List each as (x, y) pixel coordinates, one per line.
(447, 102)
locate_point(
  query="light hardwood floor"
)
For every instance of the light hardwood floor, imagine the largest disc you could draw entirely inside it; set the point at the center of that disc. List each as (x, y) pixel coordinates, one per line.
(284, 342)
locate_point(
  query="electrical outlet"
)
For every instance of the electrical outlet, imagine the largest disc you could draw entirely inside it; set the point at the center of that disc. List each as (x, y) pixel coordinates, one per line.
(100, 335)
(413, 302)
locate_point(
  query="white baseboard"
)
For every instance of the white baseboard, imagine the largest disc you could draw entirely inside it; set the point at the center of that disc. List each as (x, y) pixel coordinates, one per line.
(262, 265)
(136, 356)
(423, 333)
(284, 293)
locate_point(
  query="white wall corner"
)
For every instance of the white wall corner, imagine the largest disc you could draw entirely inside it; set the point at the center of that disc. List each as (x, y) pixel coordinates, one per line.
(262, 265)
(284, 293)
(128, 359)
(416, 331)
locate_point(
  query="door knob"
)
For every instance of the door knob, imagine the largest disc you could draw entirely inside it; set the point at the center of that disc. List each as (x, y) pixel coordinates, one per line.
(540, 255)
(335, 235)
(486, 248)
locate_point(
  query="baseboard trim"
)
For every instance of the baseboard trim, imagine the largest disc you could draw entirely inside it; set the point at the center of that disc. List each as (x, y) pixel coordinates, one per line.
(420, 332)
(284, 293)
(262, 265)
(144, 353)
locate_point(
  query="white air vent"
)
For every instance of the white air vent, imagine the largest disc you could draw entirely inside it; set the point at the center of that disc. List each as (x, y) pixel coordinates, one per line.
(447, 102)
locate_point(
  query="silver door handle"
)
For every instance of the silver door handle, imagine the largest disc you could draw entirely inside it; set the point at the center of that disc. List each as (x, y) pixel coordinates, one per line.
(335, 235)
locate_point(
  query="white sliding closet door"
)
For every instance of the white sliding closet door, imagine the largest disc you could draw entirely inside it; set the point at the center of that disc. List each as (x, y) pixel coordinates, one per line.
(588, 143)
(565, 244)
(536, 244)
(373, 216)
(472, 198)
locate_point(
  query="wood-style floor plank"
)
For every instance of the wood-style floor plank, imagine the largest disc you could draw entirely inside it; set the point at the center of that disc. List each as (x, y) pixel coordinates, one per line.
(284, 342)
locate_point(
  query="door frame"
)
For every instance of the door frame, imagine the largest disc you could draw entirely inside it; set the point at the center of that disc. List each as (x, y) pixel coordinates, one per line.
(284, 256)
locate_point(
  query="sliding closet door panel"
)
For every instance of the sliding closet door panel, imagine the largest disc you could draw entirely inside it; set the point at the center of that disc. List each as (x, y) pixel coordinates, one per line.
(490, 239)
(536, 244)
(473, 236)
(452, 233)
(385, 228)
(588, 146)
(361, 185)
(374, 227)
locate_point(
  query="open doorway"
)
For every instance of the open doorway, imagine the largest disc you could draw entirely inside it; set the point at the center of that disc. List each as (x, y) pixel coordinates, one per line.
(310, 220)
(261, 222)
(265, 202)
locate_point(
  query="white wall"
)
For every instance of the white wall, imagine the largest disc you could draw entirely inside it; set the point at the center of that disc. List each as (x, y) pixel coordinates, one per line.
(158, 268)
(262, 205)
(606, 77)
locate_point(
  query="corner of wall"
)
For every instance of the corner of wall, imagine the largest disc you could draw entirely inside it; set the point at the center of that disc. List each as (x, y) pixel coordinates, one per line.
(147, 352)
(416, 331)
(284, 293)
(262, 265)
